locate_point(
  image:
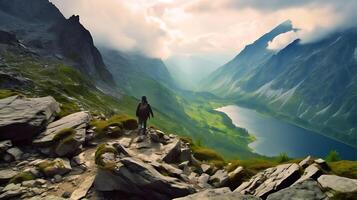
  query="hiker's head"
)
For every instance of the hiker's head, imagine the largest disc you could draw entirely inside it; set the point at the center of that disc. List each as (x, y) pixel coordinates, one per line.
(143, 99)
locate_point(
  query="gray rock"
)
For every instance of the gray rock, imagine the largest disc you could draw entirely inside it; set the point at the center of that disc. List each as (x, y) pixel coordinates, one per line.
(270, 180)
(66, 194)
(25, 116)
(322, 163)
(219, 179)
(12, 186)
(185, 154)
(12, 194)
(307, 190)
(6, 175)
(338, 183)
(164, 168)
(306, 162)
(133, 176)
(57, 178)
(77, 121)
(29, 183)
(82, 189)
(5, 145)
(15, 152)
(172, 152)
(206, 168)
(235, 177)
(218, 194)
(311, 172)
(203, 181)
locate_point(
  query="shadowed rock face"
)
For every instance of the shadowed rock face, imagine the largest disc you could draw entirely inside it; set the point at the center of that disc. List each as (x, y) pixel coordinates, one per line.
(307, 190)
(23, 118)
(40, 26)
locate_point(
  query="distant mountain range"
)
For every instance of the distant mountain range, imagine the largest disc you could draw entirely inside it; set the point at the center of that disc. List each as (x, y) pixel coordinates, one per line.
(313, 84)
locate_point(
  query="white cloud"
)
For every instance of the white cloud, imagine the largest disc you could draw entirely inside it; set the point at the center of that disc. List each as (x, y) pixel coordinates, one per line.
(162, 28)
(282, 40)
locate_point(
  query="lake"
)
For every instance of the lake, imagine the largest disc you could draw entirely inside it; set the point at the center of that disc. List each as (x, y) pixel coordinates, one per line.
(275, 136)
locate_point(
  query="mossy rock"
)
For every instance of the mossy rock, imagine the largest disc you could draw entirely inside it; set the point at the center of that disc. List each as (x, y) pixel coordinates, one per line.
(64, 134)
(51, 168)
(120, 121)
(21, 177)
(127, 122)
(99, 160)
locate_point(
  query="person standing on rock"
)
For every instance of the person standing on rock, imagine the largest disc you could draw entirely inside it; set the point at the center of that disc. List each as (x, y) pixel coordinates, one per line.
(143, 112)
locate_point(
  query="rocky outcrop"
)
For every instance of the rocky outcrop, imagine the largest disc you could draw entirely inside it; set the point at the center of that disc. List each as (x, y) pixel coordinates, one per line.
(26, 117)
(311, 172)
(307, 190)
(270, 180)
(338, 184)
(140, 179)
(218, 194)
(65, 143)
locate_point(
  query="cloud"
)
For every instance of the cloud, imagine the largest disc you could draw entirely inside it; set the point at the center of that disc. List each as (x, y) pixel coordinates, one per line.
(118, 24)
(282, 40)
(163, 28)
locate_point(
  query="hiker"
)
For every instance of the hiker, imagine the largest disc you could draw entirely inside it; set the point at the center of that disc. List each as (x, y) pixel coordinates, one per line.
(143, 112)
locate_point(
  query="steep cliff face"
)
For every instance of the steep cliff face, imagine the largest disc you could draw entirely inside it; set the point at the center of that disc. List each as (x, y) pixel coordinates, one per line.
(312, 84)
(76, 43)
(41, 27)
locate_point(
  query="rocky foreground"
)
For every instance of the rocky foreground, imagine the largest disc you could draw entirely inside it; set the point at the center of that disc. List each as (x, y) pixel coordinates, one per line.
(47, 158)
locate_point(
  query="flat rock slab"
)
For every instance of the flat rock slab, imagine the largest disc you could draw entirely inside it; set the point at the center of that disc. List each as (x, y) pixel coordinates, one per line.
(6, 175)
(307, 190)
(26, 117)
(270, 180)
(338, 183)
(78, 121)
(218, 194)
(83, 188)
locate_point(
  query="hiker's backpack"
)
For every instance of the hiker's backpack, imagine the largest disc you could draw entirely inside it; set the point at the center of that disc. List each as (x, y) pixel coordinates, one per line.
(144, 112)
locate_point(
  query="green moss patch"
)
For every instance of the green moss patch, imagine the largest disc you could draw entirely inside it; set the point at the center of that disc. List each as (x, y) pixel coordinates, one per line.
(21, 177)
(118, 121)
(344, 168)
(8, 93)
(102, 149)
(64, 134)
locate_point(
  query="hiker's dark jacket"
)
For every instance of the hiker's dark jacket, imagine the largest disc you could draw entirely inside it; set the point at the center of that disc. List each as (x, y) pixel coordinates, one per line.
(144, 112)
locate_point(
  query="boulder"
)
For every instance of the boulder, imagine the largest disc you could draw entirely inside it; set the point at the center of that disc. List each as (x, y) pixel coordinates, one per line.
(185, 154)
(5, 145)
(6, 175)
(311, 172)
(270, 180)
(132, 176)
(338, 183)
(219, 179)
(26, 117)
(235, 177)
(15, 153)
(307, 190)
(322, 163)
(76, 121)
(306, 162)
(218, 194)
(203, 181)
(54, 167)
(172, 152)
(206, 168)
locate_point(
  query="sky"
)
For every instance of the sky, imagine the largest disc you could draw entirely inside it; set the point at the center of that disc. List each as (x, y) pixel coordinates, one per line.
(215, 29)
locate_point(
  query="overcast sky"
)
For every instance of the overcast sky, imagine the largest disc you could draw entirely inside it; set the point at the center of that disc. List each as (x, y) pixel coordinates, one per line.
(164, 28)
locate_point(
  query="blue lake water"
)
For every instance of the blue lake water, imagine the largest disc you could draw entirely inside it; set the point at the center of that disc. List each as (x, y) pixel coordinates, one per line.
(275, 136)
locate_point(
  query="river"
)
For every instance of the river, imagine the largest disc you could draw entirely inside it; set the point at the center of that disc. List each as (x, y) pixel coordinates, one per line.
(275, 136)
